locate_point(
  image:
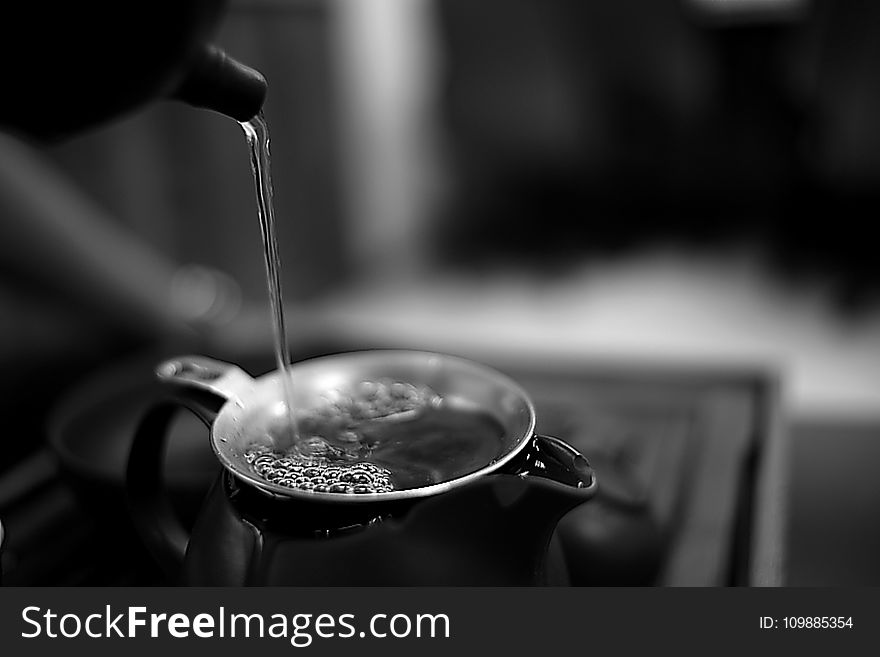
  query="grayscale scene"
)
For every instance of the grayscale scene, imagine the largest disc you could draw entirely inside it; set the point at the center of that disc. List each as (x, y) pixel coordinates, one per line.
(440, 293)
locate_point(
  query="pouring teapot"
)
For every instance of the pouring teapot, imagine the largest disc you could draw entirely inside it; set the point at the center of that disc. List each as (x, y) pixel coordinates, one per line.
(488, 526)
(70, 65)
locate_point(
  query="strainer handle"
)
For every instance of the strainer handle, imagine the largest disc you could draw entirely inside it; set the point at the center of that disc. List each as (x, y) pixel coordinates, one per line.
(199, 373)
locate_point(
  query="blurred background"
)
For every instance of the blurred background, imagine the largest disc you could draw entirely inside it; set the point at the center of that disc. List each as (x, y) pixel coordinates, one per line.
(654, 209)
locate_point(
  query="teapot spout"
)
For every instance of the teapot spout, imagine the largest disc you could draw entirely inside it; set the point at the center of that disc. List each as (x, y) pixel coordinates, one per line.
(498, 529)
(218, 82)
(561, 472)
(548, 479)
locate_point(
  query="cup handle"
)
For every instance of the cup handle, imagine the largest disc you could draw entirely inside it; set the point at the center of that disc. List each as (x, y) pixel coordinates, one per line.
(148, 501)
(202, 386)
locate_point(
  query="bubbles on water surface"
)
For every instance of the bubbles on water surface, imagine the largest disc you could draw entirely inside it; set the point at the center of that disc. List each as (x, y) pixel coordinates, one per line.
(334, 437)
(376, 437)
(319, 475)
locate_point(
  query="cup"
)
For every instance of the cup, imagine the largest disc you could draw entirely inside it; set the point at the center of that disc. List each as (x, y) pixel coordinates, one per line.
(489, 524)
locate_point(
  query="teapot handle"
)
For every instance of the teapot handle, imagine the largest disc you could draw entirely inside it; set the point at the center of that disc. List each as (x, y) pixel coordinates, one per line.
(148, 500)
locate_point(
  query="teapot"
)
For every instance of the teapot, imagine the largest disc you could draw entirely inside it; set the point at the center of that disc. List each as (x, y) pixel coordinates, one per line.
(489, 526)
(70, 65)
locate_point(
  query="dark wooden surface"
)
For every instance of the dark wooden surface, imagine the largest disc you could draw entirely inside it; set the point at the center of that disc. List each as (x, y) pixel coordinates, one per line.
(832, 533)
(697, 442)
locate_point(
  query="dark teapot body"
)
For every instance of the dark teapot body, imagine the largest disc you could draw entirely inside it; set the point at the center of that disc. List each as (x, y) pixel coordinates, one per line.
(494, 532)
